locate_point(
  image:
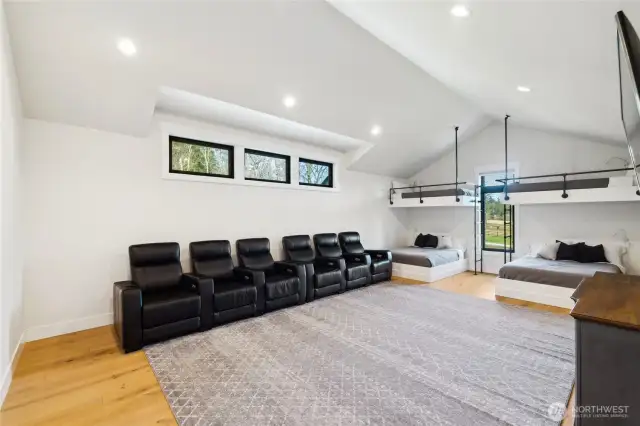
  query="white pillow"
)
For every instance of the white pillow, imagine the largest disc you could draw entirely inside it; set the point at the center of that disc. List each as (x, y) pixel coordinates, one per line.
(614, 253)
(548, 251)
(445, 242)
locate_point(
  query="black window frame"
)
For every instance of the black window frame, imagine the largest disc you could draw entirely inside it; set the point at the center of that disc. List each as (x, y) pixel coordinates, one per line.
(287, 158)
(228, 148)
(496, 189)
(319, 163)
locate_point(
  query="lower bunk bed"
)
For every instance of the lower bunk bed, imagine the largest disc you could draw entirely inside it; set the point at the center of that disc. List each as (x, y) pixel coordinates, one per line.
(549, 282)
(427, 264)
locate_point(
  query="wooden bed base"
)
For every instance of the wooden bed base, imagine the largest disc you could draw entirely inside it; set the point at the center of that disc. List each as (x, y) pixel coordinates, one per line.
(429, 275)
(534, 292)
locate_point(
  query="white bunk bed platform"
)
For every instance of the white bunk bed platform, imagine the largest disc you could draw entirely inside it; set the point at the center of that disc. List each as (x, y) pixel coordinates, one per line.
(534, 292)
(429, 275)
(591, 195)
(462, 194)
(448, 201)
(550, 282)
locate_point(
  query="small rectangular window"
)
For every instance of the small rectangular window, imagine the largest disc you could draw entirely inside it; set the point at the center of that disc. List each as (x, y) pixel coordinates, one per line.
(266, 166)
(315, 173)
(193, 157)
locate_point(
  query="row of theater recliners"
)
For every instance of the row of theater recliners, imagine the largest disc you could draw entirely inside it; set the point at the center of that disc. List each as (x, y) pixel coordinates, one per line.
(161, 302)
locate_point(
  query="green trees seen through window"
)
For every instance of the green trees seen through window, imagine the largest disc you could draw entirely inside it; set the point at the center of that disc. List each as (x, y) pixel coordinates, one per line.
(200, 159)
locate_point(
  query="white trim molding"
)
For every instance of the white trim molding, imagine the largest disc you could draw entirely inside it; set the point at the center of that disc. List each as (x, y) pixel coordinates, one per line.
(65, 327)
(8, 375)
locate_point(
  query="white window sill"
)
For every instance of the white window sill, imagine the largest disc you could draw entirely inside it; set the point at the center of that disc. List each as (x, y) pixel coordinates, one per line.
(241, 181)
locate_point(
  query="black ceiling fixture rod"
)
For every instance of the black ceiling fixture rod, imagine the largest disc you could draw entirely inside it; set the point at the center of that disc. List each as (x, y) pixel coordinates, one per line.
(457, 197)
(506, 158)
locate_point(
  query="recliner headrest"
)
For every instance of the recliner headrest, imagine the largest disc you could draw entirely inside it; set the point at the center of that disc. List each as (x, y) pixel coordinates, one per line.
(296, 242)
(154, 254)
(250, 246)
(209, 250)
(325, 239)
(349, 237)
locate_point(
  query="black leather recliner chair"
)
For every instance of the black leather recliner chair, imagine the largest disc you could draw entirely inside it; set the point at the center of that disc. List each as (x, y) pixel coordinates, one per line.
(237, 292)
(160, 301)
(284, 281)
(324, 276)
(380, 259)
(357, 268)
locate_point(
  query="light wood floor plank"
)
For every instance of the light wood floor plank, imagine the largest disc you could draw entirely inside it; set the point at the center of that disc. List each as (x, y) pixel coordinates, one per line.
(83, 378)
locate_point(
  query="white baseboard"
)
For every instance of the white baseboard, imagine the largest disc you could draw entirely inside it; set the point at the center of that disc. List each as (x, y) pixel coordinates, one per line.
(533, 292)
(8, 375)
(50, 330)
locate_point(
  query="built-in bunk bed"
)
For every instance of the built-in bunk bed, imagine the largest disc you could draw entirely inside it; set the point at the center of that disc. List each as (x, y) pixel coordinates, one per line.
(432, 257)
(550, 274)
(429, 258)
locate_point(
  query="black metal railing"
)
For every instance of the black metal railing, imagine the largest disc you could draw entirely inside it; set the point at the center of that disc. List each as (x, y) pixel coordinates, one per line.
(419, 187)
(564, 176)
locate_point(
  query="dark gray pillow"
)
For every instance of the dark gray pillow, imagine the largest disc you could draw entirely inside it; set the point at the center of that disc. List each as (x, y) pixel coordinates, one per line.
(591, 254)
(431, 241)
(568, 251)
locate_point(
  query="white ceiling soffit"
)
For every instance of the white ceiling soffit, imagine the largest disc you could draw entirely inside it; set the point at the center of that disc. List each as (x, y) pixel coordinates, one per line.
(564, 51)
(181, 103)
(249, 54)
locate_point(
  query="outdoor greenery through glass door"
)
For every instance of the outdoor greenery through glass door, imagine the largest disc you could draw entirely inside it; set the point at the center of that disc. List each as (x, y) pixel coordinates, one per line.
(494, 214)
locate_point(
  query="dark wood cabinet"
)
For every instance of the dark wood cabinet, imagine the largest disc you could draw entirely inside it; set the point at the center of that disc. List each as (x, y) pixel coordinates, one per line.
(607, 314)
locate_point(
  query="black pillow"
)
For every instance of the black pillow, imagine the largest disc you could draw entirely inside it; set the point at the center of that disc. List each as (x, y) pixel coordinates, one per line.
(431, 241)
(568, 251)
(591, 254)
(420, 240)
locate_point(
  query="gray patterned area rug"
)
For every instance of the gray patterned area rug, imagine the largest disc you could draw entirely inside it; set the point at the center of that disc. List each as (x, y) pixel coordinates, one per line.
(382, 355)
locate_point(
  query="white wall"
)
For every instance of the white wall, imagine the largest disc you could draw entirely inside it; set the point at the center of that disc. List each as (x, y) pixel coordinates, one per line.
(532, 153)
(90, 194)
(11, 324)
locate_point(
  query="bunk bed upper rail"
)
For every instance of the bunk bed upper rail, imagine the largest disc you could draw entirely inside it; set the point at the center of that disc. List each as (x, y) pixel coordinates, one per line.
(592, 172)
(600, 188)
(425, 194)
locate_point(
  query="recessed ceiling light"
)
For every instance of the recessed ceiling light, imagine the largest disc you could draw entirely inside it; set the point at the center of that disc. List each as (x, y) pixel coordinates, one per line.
(289, 101)
(523, 89)
(460, 11)
(126, 47)
(376, 130)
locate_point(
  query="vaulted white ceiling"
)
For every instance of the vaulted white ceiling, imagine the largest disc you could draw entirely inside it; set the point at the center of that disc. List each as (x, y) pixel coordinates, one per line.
(249, 54)
(409, 67)
(564, 51)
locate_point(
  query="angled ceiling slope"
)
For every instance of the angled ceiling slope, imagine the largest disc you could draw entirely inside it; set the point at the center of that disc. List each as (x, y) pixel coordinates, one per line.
(565, 52)
(244, 54)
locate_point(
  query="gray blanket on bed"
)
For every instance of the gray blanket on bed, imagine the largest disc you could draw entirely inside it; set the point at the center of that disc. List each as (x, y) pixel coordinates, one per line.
(561, 273)
(427, 257)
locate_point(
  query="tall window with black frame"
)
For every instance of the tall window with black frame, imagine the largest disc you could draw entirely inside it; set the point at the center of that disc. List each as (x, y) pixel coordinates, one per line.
(498, 220)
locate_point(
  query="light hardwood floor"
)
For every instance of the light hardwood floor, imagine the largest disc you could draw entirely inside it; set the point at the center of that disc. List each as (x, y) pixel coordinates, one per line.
(83, 379)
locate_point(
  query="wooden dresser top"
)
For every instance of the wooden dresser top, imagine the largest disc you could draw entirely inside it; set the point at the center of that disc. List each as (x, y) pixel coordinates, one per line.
(612, 299)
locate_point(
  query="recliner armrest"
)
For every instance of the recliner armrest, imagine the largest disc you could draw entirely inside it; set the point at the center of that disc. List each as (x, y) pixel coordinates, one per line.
(290, 268)
(204, 286)
(252, 276)
(342, 264)
(337, 262)
(127, 315)
(362, 258)
(255, 277)
(296, 270)
(379, 254)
